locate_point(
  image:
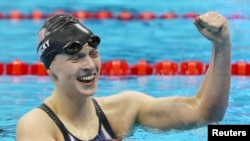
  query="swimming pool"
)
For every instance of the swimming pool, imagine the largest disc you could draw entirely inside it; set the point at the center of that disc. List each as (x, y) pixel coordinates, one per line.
(131, 40)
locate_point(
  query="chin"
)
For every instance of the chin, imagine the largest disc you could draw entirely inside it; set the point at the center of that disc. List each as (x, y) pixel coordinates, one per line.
(88, 92)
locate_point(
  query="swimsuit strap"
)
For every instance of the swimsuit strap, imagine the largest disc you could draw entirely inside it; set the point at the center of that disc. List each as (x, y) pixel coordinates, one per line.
(101, 116)
(58, 122)
(103, 119)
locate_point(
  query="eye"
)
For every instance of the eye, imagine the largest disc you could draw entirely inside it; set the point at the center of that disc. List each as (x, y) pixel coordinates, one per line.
(94, 54)
(72, 48)
(76, 57)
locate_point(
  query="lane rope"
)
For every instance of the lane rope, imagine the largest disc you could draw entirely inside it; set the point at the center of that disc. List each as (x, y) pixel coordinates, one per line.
(37, 14)
(122, 68)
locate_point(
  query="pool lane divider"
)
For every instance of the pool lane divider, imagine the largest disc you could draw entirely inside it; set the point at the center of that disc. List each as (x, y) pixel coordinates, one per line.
(122, 68)
(37, 14)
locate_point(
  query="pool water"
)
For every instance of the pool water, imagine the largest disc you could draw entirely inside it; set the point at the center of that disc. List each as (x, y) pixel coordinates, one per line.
(153, 40)
(22, 93)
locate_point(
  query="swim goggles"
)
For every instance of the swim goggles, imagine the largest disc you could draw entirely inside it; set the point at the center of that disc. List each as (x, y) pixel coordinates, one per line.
(74, 47)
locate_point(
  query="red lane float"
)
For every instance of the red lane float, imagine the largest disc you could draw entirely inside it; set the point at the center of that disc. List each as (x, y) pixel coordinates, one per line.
(190, 15)
(206, 68)
(191, 68)
(15, 15)
(169, 15)
(82, 15)
(57, 12)
(235, 16)
(116, 67)
(103, 69)
(146, 16)
(141, 68)
(36, 15)
(17, 67)
(125, 15)
(240, 68)
(166, 68)
(1, 15)
(1, 68)
(38, 69)
(102, 15)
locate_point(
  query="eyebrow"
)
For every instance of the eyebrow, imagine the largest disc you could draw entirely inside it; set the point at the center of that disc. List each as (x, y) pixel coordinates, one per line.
(83, 53)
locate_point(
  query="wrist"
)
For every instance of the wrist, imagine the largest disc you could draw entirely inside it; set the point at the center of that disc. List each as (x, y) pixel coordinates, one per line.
(222, 44)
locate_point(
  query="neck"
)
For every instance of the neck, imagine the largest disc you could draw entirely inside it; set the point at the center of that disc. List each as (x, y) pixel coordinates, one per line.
(70, 107)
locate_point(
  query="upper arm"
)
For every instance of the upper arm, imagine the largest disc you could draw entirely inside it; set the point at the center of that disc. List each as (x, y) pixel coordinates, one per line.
(162, 113)
(169, 112)
(30, 128)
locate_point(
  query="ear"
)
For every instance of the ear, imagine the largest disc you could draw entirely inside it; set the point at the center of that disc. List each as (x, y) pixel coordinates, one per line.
(52, 74)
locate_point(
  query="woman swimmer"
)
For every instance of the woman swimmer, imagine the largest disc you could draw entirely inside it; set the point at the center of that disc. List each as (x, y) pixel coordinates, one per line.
(69, 51)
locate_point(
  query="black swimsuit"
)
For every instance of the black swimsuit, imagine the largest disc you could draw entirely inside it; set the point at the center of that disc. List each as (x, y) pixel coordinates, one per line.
(103, 122)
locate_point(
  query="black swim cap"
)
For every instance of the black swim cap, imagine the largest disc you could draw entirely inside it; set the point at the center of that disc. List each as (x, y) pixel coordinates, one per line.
(58, 31)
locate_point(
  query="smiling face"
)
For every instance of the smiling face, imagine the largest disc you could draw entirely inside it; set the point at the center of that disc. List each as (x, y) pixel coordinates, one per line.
(78, 73)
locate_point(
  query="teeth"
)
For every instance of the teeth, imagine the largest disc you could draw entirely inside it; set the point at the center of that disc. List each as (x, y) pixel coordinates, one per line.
(87, 77)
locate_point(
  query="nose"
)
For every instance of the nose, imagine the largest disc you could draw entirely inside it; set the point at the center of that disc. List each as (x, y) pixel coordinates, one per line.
(88, 64)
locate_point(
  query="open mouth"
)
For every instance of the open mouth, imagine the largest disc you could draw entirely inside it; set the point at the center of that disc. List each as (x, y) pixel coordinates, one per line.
(86, 79)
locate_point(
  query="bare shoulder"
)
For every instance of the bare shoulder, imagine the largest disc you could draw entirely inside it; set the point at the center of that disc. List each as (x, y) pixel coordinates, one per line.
(124, 97)
(126, 105)
(136, 97)
(124, 102)
(132, 94)
(33, 116)
(34, 124)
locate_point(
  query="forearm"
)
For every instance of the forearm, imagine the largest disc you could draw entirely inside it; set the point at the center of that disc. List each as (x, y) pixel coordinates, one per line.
(214, 92)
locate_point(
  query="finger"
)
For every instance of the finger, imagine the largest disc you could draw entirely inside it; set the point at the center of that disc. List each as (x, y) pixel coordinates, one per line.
(197, 23)
(212, 21)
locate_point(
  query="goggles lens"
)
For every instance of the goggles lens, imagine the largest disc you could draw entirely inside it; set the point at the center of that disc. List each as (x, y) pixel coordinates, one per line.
(94, 41)
(72, 48)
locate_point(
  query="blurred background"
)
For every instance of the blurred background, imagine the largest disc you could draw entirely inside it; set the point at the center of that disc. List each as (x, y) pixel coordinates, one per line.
(157, 30)
(18, 38)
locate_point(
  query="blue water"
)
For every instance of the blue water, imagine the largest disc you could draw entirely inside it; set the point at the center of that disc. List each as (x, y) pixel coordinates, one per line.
(153, 40)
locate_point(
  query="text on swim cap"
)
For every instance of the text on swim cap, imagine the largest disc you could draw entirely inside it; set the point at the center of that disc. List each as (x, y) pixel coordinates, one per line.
(43, 47)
